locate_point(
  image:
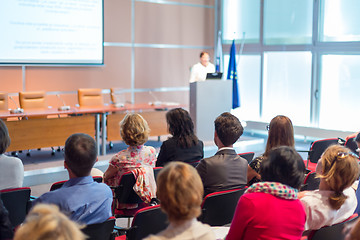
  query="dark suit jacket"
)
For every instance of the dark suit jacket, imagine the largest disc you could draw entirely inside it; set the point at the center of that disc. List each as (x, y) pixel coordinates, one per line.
(6, 231)
(223, 171)
(169, 152)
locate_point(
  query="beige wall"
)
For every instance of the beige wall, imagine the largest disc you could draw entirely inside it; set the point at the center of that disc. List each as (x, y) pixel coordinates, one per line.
(180, 25)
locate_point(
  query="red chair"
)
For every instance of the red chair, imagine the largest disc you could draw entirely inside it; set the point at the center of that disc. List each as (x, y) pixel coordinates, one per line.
(17, 202)
(100, 231)
(194, 164)
(247, 155)
(59, 184)
(218, 208)
(352, 145)
(149, 220)
(333, 232)
(316, 150)
(156, 171)
(311, 182)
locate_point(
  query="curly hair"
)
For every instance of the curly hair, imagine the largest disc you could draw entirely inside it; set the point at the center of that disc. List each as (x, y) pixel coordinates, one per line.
(339, 169)
(181, 127)
(180, 191)
(134, 129)
(281, 133)
(46, 222)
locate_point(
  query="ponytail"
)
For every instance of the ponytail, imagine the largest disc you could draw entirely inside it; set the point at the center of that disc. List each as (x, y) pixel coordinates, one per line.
(337, 199)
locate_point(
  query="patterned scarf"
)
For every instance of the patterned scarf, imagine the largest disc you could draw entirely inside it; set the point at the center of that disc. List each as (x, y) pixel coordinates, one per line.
(274, 188)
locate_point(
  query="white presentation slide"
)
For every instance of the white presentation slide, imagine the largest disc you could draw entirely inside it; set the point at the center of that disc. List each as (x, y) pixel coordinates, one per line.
(51, 31)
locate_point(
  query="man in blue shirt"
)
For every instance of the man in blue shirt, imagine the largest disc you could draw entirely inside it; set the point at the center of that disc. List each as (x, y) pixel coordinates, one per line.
(82, 199)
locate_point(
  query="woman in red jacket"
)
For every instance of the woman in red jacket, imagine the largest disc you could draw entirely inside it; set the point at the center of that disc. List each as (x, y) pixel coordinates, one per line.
(270, 209)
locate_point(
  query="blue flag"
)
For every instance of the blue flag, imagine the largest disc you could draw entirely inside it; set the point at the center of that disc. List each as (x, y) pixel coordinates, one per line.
(232, 75)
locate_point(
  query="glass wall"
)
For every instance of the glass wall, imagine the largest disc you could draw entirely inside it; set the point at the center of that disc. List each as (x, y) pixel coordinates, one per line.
(340, 20)
(287, 84)
(340, 85)
(288, 22)
(248, 84)
(241, 17)
(305, 64)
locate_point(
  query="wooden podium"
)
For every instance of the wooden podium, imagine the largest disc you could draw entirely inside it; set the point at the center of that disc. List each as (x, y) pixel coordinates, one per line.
(208, 99)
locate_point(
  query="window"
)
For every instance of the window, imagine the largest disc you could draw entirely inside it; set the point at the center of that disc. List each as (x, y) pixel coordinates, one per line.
(339, 96)
(248, 72)
(340, 20)
(286, 86)
(241, 16)
(288, 22)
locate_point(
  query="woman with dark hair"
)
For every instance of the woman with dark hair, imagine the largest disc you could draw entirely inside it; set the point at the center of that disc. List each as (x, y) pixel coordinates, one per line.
(11, 168)
(183, 146)
(281, 133)
(335, 200)
(271, 209)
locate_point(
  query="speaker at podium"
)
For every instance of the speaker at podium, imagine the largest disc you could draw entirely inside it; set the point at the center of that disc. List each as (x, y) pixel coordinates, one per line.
(208, 99)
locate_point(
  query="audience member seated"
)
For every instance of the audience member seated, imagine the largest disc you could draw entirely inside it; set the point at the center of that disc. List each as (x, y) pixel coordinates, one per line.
(271, 209)
(6, 231)
(335, 201)
(281, 133)
(353, 231)
(180, 191)
(47, 222)
(82, 199)
(183, 146)
(138, 158)
(11, 168)
(225, 170)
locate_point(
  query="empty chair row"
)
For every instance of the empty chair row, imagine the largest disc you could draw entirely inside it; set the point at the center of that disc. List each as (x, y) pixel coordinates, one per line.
(37, 99)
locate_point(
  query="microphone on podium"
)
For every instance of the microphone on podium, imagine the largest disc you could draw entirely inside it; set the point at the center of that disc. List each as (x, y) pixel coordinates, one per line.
(64, 107)
(157, 102)
(17, 109)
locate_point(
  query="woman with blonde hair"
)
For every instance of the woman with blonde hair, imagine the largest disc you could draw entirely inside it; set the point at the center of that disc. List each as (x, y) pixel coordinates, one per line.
(139, 158)
(281, 133)
(180, 192)
(335, 200)
(46, 222)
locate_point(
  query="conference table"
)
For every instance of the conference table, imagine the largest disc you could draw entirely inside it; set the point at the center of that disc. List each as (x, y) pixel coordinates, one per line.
(41, 128)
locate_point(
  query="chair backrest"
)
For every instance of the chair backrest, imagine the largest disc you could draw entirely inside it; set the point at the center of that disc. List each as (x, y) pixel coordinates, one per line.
(117, 96)
(311, 182)
(149, 220)
(16, 201)
(100, 231)
(4, 104)
(156, 171)
(247, 155)
(334, 232)
(90, 97)
(33, 100)
(218, 208)
(194, 164)
(59, 184)
(352, 145)
(318, 147)
(124, 193)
